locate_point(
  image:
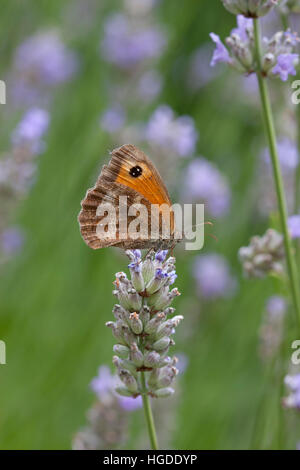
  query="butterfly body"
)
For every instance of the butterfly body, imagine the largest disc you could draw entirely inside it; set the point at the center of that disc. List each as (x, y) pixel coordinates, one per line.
(130, 176)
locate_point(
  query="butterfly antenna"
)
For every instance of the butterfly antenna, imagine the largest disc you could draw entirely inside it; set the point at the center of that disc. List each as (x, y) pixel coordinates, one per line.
(206, 223)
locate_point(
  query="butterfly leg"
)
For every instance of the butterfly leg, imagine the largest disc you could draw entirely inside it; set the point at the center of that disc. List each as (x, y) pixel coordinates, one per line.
(148, 253)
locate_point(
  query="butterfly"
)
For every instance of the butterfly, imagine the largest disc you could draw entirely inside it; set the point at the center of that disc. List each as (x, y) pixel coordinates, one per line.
(131, 176)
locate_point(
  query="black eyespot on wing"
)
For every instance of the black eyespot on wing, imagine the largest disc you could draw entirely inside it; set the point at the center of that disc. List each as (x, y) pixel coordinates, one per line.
(135, 171)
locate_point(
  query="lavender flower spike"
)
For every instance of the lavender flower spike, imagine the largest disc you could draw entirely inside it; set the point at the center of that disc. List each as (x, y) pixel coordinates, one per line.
(142, 329)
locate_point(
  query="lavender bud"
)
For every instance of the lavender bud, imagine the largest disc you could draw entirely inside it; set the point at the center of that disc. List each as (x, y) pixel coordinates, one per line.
(136, 276)
(153, 378)
(121, 351)
(161, 343)
(268, 61)
(159, 299)
(116, 329)
(153, 324)
(135, 323)
(249, 8)
(123, 298)
(126, 364)
(136, 355)
(119, 312)
(128, 380)
(142, 331)
(169, 311)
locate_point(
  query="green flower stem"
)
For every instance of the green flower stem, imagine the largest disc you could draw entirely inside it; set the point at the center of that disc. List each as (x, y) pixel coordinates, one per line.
(297, 177)
(270, 130)
(148, 414)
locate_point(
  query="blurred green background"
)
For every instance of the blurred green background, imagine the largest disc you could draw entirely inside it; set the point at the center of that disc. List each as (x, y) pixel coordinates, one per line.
(55, 295)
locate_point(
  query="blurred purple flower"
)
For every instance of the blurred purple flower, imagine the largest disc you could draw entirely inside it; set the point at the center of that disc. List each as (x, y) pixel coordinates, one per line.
(204, 182)
(276, 306)
(31, 129)
(288, 154)
(129, 403)
(285, 66)
(294, 226)
(12, 240)
(293, 383)
(177, 134)
(220, 54)
(243, 25)
(126, 45)
(149, 85)
(113, 119)
(43, 58)
(103, 384)
(199, 72)
(213, 277)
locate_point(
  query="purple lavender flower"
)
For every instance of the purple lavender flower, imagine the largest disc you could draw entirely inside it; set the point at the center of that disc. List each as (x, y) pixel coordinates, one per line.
(204, 182)
(113, 119)
(271, 330)
(170, 133)
(276, 306)
(243, 26)
(285, 66)
(199, 71)
(42, 61)
(129, 403)
(220, 54)
(45, 58)
(293, 383)
(126, 45)
(288, 154)
(213, 277)
(103, 384)
(294, 226)
(11, 240)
